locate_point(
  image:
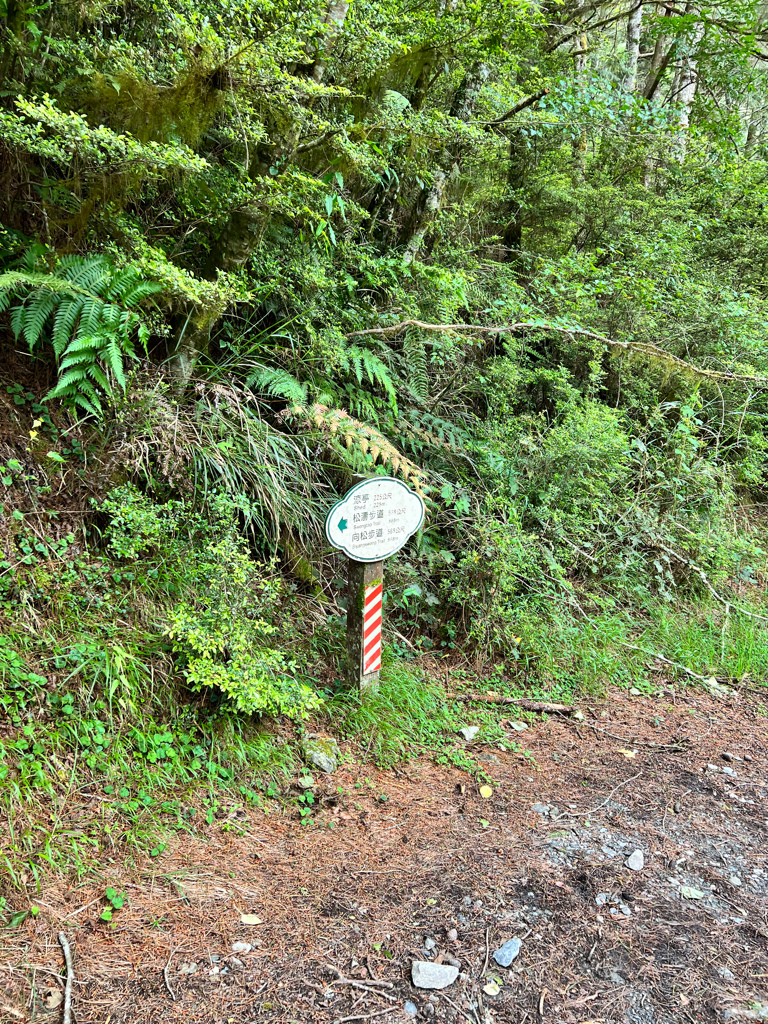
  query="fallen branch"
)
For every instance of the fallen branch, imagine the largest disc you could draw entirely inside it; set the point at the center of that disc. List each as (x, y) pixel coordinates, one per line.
(666, 661)
(70, 978)
(542, 706)
(640, 347)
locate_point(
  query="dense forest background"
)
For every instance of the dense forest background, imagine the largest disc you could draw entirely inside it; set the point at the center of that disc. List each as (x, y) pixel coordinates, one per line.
(513, 252)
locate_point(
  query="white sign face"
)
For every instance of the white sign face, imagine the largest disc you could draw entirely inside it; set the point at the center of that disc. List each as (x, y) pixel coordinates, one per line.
(374, 519)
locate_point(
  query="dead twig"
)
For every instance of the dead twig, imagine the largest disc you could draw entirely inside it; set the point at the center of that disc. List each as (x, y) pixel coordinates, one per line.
(70, 978)
(369, 987)
(487, 950)
(456, 1007)
(586, 814)
(364, 1016)
(675, 748)
(165, 975)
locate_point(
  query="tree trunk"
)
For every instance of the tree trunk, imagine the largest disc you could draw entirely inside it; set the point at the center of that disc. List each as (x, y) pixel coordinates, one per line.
(684, 93)
(580, 141)
(634, 27)
(334, 21)
(430, 201)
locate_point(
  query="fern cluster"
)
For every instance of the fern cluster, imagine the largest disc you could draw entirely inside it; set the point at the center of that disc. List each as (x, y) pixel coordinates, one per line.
(86, 308)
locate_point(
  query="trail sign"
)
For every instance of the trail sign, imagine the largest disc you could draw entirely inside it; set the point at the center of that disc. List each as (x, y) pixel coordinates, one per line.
(374, 519)
(371, 522)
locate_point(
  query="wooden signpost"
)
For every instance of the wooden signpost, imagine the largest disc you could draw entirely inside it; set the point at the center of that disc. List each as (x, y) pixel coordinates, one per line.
(372, 521)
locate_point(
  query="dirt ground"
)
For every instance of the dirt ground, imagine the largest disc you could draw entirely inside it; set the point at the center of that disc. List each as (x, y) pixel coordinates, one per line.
(417, 853)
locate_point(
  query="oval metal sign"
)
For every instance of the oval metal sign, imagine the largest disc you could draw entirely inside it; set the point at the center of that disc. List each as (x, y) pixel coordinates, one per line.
(374, 519)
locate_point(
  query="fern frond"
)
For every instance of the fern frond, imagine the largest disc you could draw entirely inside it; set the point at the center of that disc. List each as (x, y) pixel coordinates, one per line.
(274, 381)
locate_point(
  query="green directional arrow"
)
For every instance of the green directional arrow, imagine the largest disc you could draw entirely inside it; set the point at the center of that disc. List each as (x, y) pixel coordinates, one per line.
(342, 525)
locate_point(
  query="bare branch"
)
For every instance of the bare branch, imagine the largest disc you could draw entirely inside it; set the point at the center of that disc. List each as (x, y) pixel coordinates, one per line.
(639, 347)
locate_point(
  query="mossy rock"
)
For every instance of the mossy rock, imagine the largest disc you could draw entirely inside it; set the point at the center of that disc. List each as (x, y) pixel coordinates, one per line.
(322, 752)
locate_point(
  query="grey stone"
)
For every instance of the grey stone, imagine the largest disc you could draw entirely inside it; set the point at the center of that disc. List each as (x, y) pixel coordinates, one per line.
(728, 771)
(452, 935)
(540, 808)
(608, 851)
(187, 968)
(411, 1008)
(726, 756)
(725, 974)
(469, 732)
(322, 752)
(625, 910)
(306, 781)
(601, 899)
(505, 954)
(429, 944)
(241, 947)
(636, 861)
(518, 726)
(467, 901)
(235, 962)
(453, 961)
(735, 880)
(634, 691)
(427, 975)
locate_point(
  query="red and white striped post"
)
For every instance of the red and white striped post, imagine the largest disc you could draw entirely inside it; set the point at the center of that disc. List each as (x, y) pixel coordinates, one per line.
(365, 592)
(372, 628)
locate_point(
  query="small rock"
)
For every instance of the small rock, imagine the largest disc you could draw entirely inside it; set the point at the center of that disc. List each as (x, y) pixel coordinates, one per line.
(214, 958)
(601, 899)
(411, 1008)
(322, 752)
(505, 954)
(625, 910)
(634, 691)
(235, 962)
(747, 757)
(677, 807)
(540, 808)
(452, 935)
(578, 716)
(713, 768)
(608, 851)
(725, 974)
(453, 961)
(728, 771)
(306, 782)
(636, 861)
(616, 978)
(187, 968)
(478, 904)
(518, 726)
(427, 975)
(469, 732)
(735, 880)
(241, 947)
(429, 944)
(467, 901)
(726, 756)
